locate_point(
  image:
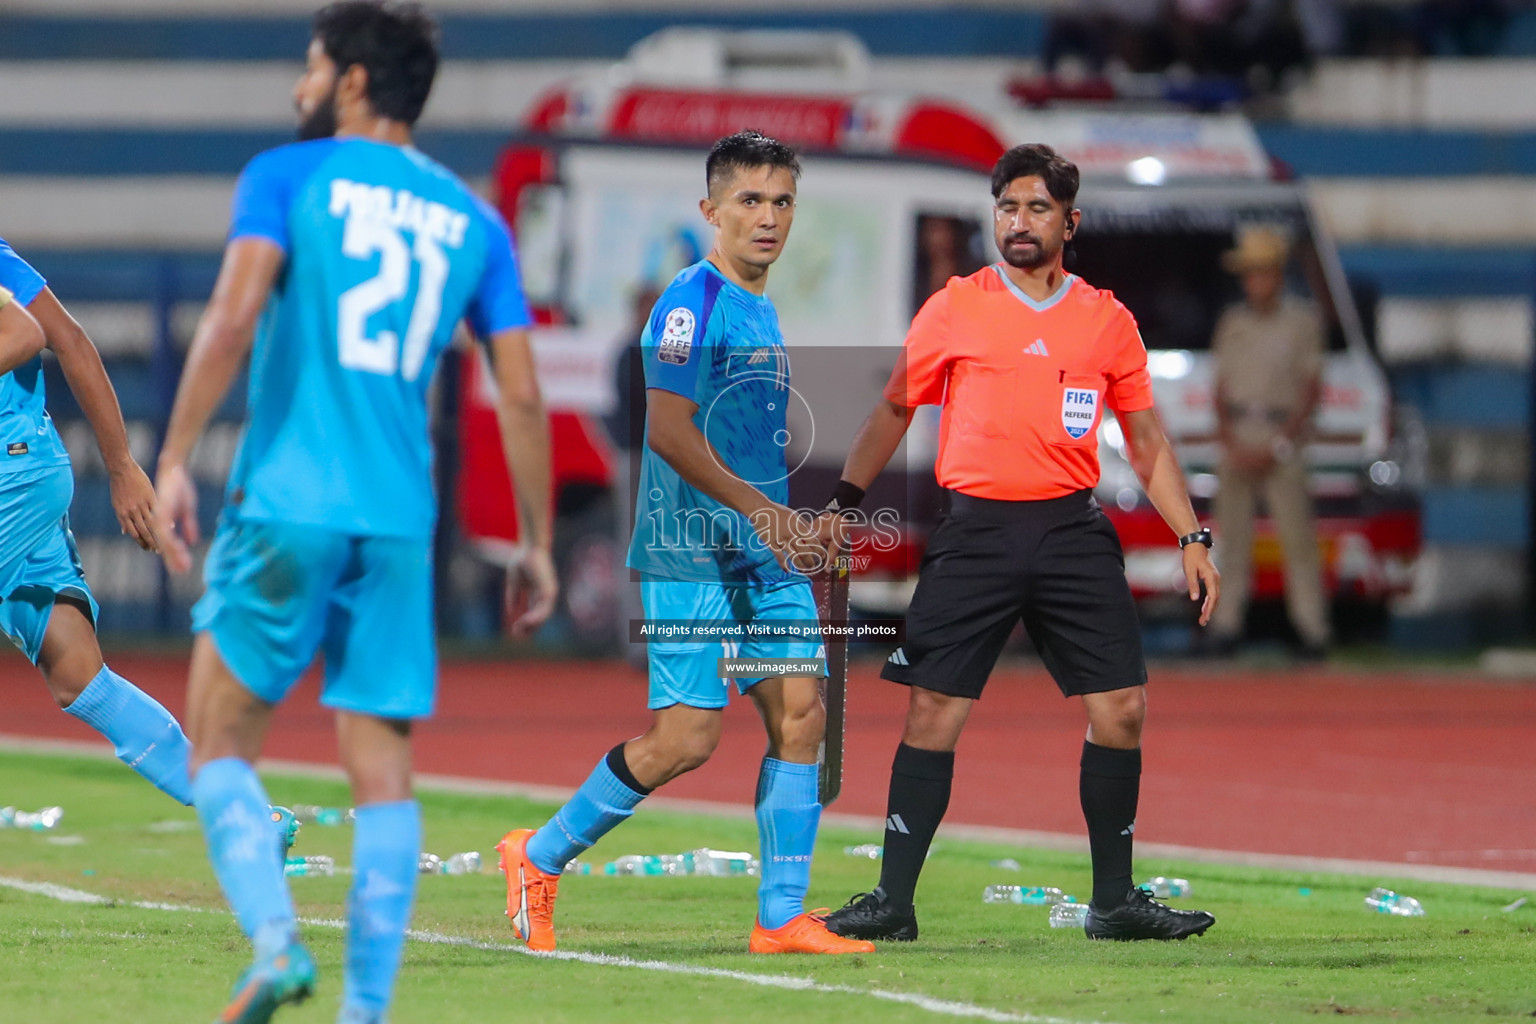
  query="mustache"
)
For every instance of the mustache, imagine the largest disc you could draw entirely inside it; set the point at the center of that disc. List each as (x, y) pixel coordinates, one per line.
(1021, 237)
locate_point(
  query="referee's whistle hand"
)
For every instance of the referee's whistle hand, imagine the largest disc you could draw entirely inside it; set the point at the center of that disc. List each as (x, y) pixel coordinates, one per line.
(1200, 573)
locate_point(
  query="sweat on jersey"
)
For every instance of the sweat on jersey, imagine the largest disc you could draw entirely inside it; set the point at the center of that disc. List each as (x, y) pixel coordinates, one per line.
(28, 439)
(386, 250)
(712, 341)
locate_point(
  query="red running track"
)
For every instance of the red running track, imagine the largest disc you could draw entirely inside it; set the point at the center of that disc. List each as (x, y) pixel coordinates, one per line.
(1433, 769)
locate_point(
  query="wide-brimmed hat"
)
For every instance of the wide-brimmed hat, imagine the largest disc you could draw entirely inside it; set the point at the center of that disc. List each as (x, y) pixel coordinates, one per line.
(1257, 249)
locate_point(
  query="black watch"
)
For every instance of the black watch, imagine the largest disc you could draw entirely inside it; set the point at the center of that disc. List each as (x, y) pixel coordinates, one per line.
(1201, 536)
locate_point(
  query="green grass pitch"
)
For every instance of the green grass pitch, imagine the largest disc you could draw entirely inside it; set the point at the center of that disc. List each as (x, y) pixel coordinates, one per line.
(1287, 947)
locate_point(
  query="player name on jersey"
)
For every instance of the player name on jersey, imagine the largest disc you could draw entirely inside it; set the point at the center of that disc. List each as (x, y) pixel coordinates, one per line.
(399, 208)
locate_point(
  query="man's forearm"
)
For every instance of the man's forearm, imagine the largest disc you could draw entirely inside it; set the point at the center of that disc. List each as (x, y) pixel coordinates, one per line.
(212, 363)
(875, 443)
(88, 382)
(1161, 477)
(525, 440)
(685, 448)
(223, 339)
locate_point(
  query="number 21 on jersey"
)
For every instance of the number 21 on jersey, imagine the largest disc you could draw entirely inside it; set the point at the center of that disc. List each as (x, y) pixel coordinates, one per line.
(375, 218)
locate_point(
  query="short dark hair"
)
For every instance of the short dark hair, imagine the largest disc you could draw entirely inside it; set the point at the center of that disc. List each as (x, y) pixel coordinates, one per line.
(1037, 160)
(745, 150)
(396, 43)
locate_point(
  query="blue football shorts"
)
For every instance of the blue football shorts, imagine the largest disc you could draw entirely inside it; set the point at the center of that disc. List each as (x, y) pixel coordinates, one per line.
(277, 593)
(688, 671)
(38, 558)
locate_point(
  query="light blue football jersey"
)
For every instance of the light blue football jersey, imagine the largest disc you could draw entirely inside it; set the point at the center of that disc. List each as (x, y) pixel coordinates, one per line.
(710, 340)
(28, 439)
(386, 251)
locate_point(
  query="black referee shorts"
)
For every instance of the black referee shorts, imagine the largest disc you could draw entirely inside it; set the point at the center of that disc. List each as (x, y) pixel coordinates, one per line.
(1056, 564)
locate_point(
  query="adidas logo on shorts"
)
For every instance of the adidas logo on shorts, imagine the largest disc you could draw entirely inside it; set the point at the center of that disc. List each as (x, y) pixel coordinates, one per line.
(898, 657)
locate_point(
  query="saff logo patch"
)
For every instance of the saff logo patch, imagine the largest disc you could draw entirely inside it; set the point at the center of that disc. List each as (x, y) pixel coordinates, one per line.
(677, 336)
(1079, 408)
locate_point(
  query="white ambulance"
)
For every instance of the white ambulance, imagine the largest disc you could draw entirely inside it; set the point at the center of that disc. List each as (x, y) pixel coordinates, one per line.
(602, 191)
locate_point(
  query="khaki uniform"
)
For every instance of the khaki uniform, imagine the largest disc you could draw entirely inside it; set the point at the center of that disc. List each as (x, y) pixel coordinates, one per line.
(1263, 367)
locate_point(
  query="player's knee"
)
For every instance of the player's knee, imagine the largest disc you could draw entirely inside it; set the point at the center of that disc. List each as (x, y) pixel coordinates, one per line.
(693, 751)
(63, 690)
(66, 677)
(803, 727)
(683, 750)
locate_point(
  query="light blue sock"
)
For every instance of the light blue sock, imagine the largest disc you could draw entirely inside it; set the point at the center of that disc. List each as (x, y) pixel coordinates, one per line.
(386, 845)
(788, 813)
(598, 807)
(145, 736)
(245, 851)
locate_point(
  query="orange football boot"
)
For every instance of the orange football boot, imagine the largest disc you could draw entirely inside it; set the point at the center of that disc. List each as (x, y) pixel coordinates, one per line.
(803, 934)
(530, 892)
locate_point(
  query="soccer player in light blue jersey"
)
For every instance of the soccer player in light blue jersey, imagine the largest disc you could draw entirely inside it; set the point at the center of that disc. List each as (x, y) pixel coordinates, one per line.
(351, 259)
(46, 607)
(714, 543)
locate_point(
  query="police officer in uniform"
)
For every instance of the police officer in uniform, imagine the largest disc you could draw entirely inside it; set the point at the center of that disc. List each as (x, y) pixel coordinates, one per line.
(1269, 362)
(1023, 357)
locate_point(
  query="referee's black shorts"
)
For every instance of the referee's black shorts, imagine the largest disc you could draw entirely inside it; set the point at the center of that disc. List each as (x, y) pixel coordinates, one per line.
(1056, 564)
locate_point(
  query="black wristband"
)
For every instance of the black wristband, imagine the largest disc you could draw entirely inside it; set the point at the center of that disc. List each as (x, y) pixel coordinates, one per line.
(1201, 536)
(845, 496)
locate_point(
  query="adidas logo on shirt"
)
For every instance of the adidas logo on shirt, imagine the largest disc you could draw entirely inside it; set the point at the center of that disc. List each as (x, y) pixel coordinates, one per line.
(1037, 349)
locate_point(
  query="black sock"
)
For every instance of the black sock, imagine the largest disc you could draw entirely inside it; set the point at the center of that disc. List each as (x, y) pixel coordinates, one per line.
(620, 769)
(1108, 787)
(920, 781)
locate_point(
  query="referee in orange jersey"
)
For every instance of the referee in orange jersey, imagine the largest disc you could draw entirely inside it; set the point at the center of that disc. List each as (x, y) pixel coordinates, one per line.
(1024, 357)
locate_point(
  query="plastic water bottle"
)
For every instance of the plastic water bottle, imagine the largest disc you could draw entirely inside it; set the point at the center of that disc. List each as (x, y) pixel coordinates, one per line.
(1069, 915)
(462, 864)
(327, 816)
(1030, 895)
(317, 866)
(577, 867)
(704, 861)
(429, 864)
(641, 864)
(1166, 888)
(874, 851)
(719, 863)
(34, 821)
(1385, 901)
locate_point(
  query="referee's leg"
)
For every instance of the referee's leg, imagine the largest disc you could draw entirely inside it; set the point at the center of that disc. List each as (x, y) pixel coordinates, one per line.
(922, 773)
(966, 603)
(1109, 787)
(1083, 620)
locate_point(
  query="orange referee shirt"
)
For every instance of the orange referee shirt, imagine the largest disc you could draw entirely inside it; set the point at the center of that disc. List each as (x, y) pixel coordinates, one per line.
(1023, 383)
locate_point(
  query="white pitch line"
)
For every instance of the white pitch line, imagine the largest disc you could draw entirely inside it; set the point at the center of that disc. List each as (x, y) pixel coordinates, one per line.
(942, 1007)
